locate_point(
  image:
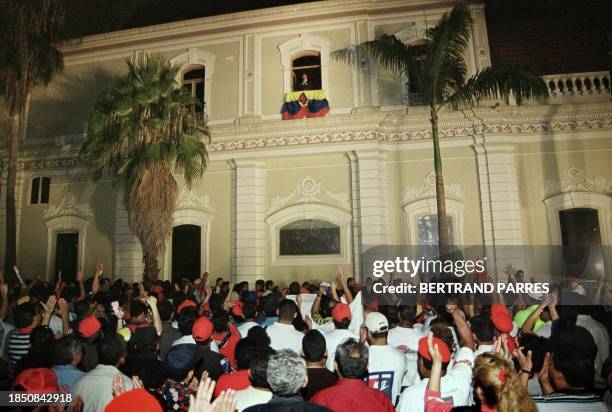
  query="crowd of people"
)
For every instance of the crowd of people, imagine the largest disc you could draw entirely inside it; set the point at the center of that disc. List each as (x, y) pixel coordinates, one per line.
(207, 345)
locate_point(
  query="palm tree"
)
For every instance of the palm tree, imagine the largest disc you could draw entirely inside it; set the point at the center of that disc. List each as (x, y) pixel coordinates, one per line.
(139, 133)
(31, 32)
(438, 68)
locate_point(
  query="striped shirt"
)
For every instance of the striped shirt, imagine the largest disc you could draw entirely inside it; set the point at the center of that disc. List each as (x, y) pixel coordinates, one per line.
(18, 347)
(570, 402)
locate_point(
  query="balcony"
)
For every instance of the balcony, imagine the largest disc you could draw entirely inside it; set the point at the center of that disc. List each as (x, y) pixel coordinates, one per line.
(305, 103)
(578, 87)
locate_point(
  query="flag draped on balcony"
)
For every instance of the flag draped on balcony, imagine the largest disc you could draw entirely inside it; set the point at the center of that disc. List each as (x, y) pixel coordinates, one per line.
(306, 103)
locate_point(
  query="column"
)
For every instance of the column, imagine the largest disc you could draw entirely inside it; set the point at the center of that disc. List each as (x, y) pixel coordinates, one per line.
(500, 207)
(248, 223)
(370, 201)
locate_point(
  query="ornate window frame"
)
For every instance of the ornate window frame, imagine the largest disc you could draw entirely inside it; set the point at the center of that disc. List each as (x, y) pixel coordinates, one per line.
(31, 181)
(310, 211)
(302, 44)
(194, 57)
(424, 207)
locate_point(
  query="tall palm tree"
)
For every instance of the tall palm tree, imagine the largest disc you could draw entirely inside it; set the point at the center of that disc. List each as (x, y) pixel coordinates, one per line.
(437, 66)
(139, 133)
(30, 32)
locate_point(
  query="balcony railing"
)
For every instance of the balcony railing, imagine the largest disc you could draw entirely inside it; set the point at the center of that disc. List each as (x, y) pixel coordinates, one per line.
(593, 86)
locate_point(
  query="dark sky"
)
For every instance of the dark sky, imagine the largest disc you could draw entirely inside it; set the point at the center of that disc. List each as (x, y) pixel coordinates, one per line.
(87, 17)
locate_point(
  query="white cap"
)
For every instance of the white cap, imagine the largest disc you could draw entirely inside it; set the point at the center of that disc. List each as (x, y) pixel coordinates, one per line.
(376, 322)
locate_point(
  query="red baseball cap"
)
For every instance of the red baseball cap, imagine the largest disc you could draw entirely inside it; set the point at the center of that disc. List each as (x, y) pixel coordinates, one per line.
(501, 318)
(186, 304)
(37, 380)
(442, 347)
(202, 329)
(89, 326)
(136, 399)
(341, 311)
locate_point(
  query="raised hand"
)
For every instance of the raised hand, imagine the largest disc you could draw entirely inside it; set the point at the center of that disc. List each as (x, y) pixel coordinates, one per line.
(137, 383)
(80, 277)
(118, 385)
(201, 402)
(50, 305)
(63, 308)
(525, 362)
(433, 349)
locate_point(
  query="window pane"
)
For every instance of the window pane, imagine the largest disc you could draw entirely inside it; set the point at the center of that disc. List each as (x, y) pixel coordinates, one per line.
(306, 72)
(582, 252)
(199, 94)
(311, 60)
(427, 227)
(309, 237)
(44, 192)
(194, 74)
(35, 189)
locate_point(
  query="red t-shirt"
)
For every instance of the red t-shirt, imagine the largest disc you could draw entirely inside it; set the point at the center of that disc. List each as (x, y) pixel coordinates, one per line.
(235, 380)
(228, 349)
(350, 395)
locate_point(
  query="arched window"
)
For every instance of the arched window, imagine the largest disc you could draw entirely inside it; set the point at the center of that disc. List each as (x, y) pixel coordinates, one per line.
(581, 237)
(193, 81)
(306, 71)
(309, 237)
(427, 227)
(39, 191)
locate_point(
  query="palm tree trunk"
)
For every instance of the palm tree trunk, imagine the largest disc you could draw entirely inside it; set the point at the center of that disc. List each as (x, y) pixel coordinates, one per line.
(10, 251)
(443, 239)
(151, 269)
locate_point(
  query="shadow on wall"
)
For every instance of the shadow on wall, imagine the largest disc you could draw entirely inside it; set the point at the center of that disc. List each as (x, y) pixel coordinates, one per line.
(64, 108)
(103, 201)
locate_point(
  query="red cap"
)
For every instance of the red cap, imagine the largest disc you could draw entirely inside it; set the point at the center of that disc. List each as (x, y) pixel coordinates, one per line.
(237, 309)
(186, 304)
(202, 329)
(304, 290)
(341, 311)
(37, 380)
(89, 326)
(136, 399)
(442, 347)
(501, 318)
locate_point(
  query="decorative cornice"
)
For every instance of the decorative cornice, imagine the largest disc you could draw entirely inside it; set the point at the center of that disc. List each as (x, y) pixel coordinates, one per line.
(426, 189)
(575, 180)
(309, 191)
(68, 206)
(189, 199)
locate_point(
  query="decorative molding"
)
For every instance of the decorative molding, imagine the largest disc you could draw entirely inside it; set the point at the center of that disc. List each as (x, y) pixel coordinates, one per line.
(188, 199)
(413, 33)
(68, 206)
(303, 43)
(426, 189)
(575, 180)
(309, 191)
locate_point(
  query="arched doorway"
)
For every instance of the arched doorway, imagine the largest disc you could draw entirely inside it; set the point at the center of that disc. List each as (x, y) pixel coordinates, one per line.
(186, 252)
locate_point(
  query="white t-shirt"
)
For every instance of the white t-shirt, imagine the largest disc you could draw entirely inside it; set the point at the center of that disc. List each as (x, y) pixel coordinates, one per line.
(245, 327)
(482, 349)
(284, 336)
(251, 396)
(454, 385)
(406, 340)
(386, 369)
(332, 340)
(545, 330)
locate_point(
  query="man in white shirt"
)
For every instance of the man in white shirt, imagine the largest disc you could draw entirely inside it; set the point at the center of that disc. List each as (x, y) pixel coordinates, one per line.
(341, 315)
(456, 381)
(483, 333)
(95, 388)
(602, 340)
(386, 365)
(282, 333)
(259, 391)
(248, 311)
(405, 337)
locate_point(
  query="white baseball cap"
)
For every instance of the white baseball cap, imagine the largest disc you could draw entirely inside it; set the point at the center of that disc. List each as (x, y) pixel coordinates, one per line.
(376, 322)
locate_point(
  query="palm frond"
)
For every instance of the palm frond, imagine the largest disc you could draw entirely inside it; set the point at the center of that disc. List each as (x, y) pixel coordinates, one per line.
(500, 80)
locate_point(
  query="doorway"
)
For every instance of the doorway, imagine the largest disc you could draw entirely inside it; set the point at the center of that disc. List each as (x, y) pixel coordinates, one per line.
(582, 252)
(66, 255)
(186, 252)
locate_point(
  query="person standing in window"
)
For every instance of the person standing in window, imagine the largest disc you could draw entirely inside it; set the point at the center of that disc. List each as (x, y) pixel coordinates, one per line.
(305, 85)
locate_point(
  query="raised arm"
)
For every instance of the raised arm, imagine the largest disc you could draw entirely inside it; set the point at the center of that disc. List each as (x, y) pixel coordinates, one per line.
(535, 315)
(463, 329)
(152, 301)
(80, 278)
(95, 286)
(316, 305)
(345, 288)
(4, 297)
(49, 307)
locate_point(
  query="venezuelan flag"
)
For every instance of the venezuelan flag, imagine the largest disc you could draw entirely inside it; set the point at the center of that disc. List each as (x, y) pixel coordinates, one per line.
(306, 103)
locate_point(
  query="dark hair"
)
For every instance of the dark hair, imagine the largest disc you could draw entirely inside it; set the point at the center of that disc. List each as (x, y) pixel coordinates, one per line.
(111, 348)
(269, 305)
(352, 359)
(186, 319)
(406, 312)
(313, 346)
(68, 293)
(577, 367)
(269, 284)
(81, 307)
(249, 310)
(220, 321)
(538, 346)
(483, 328)
(68, 348)
(294, 288)
(24, 315)
(215, 302)
(259, 284)
(325, 307)
(258, 335)
(246, 351)
(287, 309)
(42, 343)
(165, 310)
(257, 371)
(567, 335)
(137, 308)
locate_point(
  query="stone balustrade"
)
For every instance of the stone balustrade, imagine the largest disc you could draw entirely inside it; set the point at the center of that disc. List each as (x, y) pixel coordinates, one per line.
(584, 86)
